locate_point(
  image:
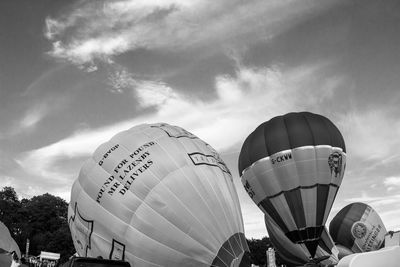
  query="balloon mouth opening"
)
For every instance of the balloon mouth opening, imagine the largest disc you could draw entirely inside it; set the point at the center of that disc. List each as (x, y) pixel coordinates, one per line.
(234, 252)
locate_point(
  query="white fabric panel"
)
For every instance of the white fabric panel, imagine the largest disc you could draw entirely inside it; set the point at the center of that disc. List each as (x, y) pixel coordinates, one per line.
(309, 199)
(282, 207)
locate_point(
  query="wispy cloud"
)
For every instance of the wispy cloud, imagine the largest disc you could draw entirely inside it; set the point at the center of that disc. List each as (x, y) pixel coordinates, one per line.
(101, 29)
(372, 134)
(33, 116)
(243, 102)
(392, 183)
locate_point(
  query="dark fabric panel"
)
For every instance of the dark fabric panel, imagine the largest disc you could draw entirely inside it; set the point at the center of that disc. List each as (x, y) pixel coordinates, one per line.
(322, 199)
(257, 147)
(276, 135)
(296, 236)
(217, 262)
(311, 232)
(226, 253)
(297, 210)
(312, 247)
(340, 226)
(273, 213)
(299, 133)
(319, 129)
(246, 260)
(244, 158)
(235, 245)
(283, 251)
(287, 132)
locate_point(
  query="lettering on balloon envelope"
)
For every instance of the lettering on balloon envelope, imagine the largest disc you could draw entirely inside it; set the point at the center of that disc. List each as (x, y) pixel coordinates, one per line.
(210, 160)
(131, 167)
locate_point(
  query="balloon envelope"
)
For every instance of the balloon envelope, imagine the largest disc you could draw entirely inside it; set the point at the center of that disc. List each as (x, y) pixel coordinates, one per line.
(358, 227)
(343, 251)
(298, 254)
(156, 195)
(292, 166)
(7, 243)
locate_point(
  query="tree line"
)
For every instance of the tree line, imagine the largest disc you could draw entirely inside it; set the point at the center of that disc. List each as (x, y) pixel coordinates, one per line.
(43, 220)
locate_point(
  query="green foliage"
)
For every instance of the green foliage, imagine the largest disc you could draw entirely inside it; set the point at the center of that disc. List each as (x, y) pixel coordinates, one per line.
(43, 219)
(258, 248)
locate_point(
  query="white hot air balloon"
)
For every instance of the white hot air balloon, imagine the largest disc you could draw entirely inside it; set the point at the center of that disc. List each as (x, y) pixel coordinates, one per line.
(156, 195)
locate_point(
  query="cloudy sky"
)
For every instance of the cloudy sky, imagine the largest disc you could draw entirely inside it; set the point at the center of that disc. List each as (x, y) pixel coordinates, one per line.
(74, 73)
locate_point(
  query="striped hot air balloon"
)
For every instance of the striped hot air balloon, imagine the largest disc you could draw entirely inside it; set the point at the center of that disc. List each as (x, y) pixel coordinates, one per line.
(157, 195)
(292, 166)
(358, 227)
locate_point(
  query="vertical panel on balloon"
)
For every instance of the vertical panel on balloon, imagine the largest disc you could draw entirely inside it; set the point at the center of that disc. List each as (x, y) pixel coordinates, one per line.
(263, 180)
(309, 199)
(333, 190)
(222, 208)
(253, 186)
(322, 155)
(164, 229)
(293, 198)
(322, 198)
(141, 244)
(282, 207)
(175, 200)
(298, 129)
(304, 158)
(285, 170)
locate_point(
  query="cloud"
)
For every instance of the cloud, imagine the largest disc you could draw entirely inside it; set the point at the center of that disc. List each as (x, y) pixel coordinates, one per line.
(101, 29)
(371, 134)
(244, 101)
(392, 181)
(33, 116)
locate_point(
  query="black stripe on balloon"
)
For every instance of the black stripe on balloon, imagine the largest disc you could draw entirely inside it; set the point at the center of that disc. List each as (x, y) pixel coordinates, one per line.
(294, 196)
(322, 199)
(286, 132)
(230, 248)
(311, 243)
(295, 235)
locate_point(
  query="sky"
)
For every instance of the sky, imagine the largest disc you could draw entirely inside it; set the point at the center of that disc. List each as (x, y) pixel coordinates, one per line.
(74, 73)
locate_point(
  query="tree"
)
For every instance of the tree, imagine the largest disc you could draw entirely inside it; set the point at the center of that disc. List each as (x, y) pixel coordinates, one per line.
(43, 219)
(47, 224)
(9, 207)
(258, 248)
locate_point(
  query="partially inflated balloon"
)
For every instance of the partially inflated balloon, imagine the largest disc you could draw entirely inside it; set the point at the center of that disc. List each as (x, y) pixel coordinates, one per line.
(292, 167)
(298, 254)
(7, 243)
(358, 227)
(156, 195)
(343, 251)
